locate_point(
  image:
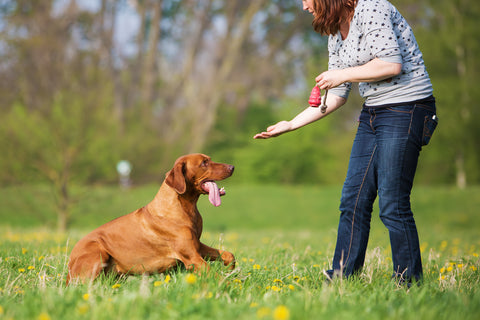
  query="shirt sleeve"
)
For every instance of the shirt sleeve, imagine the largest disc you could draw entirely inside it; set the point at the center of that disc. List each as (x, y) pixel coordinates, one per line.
(379, 32)
(335, 63)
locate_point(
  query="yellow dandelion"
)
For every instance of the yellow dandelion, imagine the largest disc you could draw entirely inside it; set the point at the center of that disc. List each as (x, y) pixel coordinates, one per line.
(473, 268)
(263, 312)
(1, 310)
(281, 313)
(86, 296)
(24, 250)
(41, 258)
(475, 255)
(449, 269)
(209, 295)
(291, 287)
(83, 309)
(316, 266)
(278, 281)
(460, 266)
(21, 270)
(116, 286)
(167, 278)
(190, 278)
(157, 283)
(442, 270)
(256, 267)
(443, 245)
(275, 288)
(43, 316)
(31, 268)
(253, 305)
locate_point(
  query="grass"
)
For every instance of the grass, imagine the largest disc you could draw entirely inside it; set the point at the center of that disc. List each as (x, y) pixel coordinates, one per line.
(282, 237)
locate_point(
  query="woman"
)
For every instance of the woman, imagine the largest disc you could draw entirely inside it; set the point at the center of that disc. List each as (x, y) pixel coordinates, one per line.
(372, 44)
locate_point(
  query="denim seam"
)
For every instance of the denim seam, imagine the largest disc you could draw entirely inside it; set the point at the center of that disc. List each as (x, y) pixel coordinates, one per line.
(356, 201)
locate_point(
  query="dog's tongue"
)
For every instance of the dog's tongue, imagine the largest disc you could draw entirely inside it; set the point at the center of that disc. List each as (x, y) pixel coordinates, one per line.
(213, 193)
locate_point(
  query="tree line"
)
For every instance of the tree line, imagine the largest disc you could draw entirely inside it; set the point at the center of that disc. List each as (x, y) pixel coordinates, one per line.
(204, 76)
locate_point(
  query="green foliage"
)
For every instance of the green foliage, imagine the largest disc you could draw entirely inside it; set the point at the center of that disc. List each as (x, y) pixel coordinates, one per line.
(71, 116)
(62, 142)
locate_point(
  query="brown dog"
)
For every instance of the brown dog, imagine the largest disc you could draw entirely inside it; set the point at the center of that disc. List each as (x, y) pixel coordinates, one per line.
(160, 235)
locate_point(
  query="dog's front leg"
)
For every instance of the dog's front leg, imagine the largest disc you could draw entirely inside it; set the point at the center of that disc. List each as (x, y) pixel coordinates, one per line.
(209, 253)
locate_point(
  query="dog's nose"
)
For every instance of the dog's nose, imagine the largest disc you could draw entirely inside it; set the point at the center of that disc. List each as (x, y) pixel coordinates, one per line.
(231, 168)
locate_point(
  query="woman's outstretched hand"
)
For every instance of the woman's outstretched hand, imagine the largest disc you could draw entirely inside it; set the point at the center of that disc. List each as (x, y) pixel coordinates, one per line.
(275, 130)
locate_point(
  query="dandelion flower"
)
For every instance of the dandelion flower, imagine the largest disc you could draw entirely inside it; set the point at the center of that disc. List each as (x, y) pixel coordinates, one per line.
(449, 269)
(253, 305)
(1, 310)
(157, 283)
(116, 286)
(256, 267)
(263, 312)
(281, 313)
(275, 288)
(43, 316)
(31, 268)
(21, 270)
(473, 268)
(86, 296)
(291, 287)
(167, 278)
(83, 309)
(24, 250)
(191, 278)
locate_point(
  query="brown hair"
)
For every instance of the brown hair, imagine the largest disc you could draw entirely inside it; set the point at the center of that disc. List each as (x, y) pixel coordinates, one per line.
(330, 14)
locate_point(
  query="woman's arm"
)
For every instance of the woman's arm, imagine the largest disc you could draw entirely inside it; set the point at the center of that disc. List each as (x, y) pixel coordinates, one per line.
(375, 70)
(307, 116)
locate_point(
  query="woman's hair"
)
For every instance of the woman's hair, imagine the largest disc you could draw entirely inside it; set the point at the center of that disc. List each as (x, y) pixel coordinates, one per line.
(329, 14)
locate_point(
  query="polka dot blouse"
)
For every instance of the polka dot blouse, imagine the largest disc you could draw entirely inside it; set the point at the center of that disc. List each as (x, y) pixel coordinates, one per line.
(378, 30)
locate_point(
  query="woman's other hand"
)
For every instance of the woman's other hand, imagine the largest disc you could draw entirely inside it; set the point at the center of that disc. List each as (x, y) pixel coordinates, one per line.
(275, 130)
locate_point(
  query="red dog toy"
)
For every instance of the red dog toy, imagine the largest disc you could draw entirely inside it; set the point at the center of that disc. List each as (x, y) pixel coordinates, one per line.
(315, 99)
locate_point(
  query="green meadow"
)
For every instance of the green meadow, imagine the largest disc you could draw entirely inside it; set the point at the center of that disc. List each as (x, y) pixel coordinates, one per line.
(283, 238)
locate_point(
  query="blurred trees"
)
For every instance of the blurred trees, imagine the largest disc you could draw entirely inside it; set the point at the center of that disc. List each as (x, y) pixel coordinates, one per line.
(80, 90)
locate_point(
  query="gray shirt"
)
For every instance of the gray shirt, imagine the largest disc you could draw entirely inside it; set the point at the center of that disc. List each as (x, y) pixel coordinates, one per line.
(378, 30)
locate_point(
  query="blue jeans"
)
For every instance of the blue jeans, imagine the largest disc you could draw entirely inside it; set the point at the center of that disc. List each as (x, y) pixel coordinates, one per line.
(383, 160)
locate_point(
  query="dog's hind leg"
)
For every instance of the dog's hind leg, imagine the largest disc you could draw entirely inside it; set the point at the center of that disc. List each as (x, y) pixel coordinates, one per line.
(88, 263)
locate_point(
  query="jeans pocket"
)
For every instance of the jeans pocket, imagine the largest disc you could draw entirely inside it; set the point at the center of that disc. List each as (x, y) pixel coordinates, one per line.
(429, 125)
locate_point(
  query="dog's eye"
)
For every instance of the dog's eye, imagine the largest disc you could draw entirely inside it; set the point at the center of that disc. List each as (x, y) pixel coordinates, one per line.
(204, 163)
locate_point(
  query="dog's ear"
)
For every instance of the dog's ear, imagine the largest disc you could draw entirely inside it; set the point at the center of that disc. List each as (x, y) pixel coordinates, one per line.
(176, 179)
